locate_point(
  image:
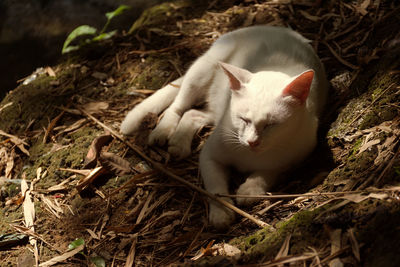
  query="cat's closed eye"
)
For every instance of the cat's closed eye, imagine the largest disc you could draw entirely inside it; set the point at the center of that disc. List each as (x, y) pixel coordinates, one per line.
(245, 120)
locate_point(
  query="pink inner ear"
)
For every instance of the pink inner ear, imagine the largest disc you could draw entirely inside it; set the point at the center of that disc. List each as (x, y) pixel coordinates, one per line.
(236, 75)
(299, 88)
(234, 83)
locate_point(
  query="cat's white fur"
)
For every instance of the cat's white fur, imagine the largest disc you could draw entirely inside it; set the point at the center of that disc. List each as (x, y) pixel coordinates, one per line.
(263, 104)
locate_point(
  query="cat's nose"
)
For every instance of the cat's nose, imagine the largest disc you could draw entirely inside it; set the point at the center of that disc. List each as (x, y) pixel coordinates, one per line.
(253, 143)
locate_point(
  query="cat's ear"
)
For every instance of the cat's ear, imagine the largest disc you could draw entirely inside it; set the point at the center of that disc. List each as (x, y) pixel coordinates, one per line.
(299, 88)
(237, 76)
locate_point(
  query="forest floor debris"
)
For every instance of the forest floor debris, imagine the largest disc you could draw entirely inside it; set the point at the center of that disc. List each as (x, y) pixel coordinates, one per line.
(103, 198)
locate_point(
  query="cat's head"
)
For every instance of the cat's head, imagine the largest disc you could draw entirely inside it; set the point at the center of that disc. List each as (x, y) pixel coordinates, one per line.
(264, 105)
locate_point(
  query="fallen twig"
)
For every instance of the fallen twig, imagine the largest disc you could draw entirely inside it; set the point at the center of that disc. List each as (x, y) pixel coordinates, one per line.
(310, 195)
(29, 232)
(162, 169)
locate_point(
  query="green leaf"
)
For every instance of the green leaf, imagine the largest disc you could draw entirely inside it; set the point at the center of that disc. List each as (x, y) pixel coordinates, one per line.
(118, 11)
(76, 243)
(98, 261)
(79, 31)
(70, 48)
(104, 36)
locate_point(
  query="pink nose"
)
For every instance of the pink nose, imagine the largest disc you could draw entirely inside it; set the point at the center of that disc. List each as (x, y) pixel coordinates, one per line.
(253, 143)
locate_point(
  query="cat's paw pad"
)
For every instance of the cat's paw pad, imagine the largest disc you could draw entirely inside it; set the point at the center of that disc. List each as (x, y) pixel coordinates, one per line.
(178, 148)
(221, 217)
(166, 127)
(178, 152)
(248, 189)
(158, 136)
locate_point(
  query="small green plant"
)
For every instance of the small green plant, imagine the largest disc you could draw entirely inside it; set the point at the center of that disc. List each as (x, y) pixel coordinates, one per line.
(89, 30)
(76, 243)
(96, 260)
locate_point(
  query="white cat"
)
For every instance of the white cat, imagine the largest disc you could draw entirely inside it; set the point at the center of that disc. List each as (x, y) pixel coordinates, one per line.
(265, 105)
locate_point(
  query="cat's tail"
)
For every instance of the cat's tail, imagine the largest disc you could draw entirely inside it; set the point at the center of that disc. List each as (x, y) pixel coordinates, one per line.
(156, 103)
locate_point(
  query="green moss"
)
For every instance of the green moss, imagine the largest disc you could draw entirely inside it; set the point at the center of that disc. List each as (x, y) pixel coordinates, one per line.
(69, 157)
(35, 102)
(356, 147)
(346, 118)
(158, 14)
(155, 72)
(382, 91)
(266, 242)
(379, 84)
(7, 217)
(371, 108)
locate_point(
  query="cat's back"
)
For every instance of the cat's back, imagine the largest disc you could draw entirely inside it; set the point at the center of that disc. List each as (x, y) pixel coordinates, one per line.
(263, 47)
(261, 41)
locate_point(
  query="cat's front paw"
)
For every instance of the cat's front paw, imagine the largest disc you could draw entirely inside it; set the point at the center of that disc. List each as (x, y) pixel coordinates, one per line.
(250, 187)
(159, 136)
(221, 217)
(131, 122)
(179, 148)
(164, 129)
(178, 152)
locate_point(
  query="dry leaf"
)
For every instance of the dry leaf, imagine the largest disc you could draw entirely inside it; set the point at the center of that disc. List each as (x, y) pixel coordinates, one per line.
(85, 181)
(362, 9)
(59, 187)
(385, 149)
(6, 105)
(142, 91)
(130, 260)
(284, 250)
(336, 238)
(51, 207)
(114, 163)
(145, 207)
(17, 141)
(227, 250)
(50, 72)
(74, 126)
(95, 107)
(51, 126)
(204, 251)
(93, 234)
(142, 167)
(81, 172)
(29, 208)
(62, 257)
(357, 198)
(10, 164)
(368, 145)
(354, 244)
(99, 75)
(94, 150)
(3, 158)
(57, 147)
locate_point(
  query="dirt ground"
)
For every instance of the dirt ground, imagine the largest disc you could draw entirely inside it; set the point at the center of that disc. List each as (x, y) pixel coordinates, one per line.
(96, 198)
